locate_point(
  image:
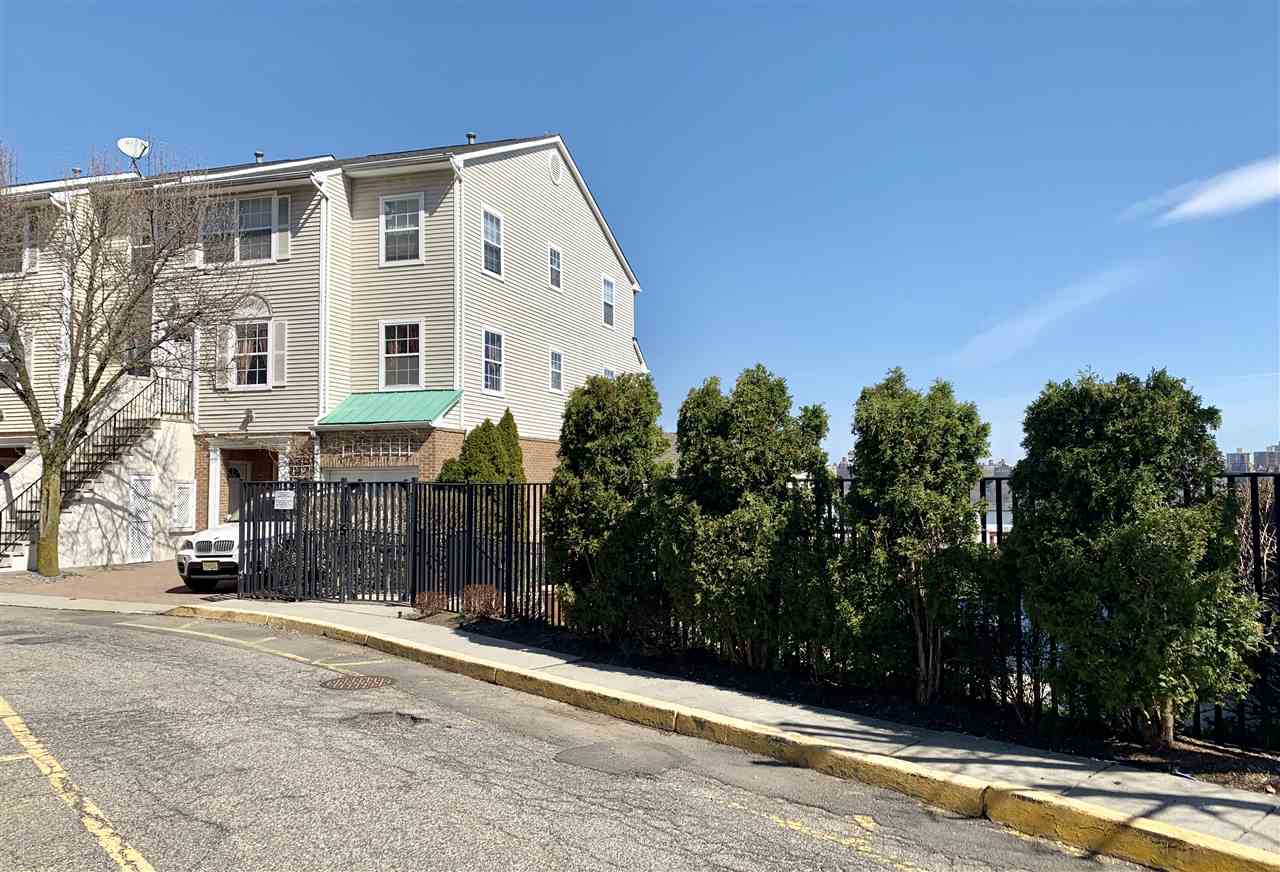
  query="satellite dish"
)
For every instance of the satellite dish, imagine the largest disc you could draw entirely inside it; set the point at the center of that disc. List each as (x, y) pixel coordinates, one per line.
(132, 147)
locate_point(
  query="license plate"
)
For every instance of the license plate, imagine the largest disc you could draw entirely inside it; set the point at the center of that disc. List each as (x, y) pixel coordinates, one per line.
(209, 565)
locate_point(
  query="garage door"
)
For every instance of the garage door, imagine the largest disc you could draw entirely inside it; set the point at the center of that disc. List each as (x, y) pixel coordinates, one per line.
(371, 473)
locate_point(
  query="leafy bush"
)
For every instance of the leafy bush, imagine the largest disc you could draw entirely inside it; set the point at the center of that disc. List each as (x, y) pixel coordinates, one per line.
(490, 453)
(1105, 557)
(745, 548)
(598, 515)
(915, 463)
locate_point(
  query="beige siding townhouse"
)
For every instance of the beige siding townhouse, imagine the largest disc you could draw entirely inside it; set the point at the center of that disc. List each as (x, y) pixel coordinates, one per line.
(413, 295)
(398, 300)
(140, 503)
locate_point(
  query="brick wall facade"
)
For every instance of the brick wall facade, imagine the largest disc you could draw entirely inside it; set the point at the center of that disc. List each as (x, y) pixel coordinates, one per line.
(427, 450)
(540, 458)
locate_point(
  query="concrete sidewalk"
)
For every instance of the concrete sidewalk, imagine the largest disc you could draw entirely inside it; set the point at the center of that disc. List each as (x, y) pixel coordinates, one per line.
(1241, 817)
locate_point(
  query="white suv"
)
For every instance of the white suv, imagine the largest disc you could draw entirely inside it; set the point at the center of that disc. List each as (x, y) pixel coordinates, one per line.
(209, 557)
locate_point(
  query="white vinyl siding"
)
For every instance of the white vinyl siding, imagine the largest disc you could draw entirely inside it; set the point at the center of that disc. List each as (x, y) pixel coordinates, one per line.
(43, 280)
(532, 315)
(291, 288)
(419, 290)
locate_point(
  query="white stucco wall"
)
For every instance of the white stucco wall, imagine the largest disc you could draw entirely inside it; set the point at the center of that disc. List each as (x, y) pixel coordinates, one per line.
(95, 529)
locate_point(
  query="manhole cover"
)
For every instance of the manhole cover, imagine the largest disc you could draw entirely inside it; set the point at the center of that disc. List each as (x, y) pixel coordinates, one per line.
(356, 682)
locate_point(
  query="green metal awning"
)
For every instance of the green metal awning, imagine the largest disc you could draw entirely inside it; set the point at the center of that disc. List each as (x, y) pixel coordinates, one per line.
(390, 408)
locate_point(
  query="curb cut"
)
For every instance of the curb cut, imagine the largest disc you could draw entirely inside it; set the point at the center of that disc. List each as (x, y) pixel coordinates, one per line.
(1080, 824)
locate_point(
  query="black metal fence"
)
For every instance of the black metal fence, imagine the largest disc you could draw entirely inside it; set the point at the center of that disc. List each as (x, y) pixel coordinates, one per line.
(1007, 660)
(461, 547)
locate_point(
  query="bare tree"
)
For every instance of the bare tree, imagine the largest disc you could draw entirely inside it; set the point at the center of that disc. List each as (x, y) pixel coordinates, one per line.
(145, 269)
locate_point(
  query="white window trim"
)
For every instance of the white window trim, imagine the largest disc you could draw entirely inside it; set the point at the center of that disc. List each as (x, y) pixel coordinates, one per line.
(502, 246)
(231, 356)
(560, 251)
(603, 278)
(382, 354)
(272, 226)
(422, 229)
(484, 389)
(28, 266)
(550, 351)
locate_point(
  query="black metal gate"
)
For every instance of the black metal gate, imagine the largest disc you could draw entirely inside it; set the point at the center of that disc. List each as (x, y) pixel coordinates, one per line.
(455, 545)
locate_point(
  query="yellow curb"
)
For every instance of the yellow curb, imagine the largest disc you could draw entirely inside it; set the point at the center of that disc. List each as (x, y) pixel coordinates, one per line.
(757, 738)
(1104, 831)
(958, 793)
(1073, 822)
(615, 703)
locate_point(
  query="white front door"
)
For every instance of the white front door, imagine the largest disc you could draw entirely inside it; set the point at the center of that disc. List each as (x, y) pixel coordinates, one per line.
(141, 525)
(237, 471)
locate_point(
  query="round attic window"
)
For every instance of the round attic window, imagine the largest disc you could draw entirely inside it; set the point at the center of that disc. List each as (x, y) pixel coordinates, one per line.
(557, 167)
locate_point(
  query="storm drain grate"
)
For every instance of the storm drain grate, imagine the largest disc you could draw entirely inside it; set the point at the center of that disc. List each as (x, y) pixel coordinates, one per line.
(357, 682)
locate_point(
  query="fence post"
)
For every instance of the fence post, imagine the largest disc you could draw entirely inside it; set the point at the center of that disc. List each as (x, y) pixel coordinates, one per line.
(509, 549)
(469, 536)
(241, 523)
(411, 540)
(344, 539)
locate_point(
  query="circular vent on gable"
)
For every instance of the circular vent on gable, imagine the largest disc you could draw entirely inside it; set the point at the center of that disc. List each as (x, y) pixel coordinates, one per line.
(557, 167)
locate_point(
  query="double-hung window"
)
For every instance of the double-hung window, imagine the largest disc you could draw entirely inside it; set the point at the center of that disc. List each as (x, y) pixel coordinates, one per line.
(255, 215)
(401, 240)
(251, 353)
(401, 355)
(554, 275)
(492, 229)
(247, 230)
(606, 298)
(556, 380)
(492, 362)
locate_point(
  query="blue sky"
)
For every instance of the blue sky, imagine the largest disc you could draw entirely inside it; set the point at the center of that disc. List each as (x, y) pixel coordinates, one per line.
(998, 196)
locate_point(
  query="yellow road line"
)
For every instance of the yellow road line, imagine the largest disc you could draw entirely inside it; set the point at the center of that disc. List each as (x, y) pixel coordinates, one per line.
(92, 819)
(244, 643)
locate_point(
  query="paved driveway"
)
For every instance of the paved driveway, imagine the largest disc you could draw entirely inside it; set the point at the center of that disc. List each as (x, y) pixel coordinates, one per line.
(135, 582)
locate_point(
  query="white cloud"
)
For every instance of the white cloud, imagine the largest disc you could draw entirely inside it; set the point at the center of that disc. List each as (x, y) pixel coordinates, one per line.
(1007, 338)
(1233, 191)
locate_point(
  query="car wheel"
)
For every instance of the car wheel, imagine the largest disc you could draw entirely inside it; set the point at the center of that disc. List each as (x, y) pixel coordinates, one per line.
(202, 585)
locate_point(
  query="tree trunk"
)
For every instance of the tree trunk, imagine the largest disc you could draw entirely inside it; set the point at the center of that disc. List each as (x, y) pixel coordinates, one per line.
(1161, 723)
(47, 557)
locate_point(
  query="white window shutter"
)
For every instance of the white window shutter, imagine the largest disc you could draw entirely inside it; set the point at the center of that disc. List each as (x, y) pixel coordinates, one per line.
(222, 357)
(279, 353)
(282, 228)
(184, 505)
(29, 348)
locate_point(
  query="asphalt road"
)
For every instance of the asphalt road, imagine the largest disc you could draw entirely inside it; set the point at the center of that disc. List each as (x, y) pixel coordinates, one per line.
(145, 742)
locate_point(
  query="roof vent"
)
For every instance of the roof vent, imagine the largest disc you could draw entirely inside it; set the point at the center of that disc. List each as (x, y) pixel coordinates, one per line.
(471, 138)
(258, 156)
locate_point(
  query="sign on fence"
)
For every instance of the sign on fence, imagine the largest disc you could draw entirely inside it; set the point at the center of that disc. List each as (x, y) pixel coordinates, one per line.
(284, 500)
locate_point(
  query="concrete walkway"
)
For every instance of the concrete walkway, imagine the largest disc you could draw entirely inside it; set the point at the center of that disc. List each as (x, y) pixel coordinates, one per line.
(1234, 815)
